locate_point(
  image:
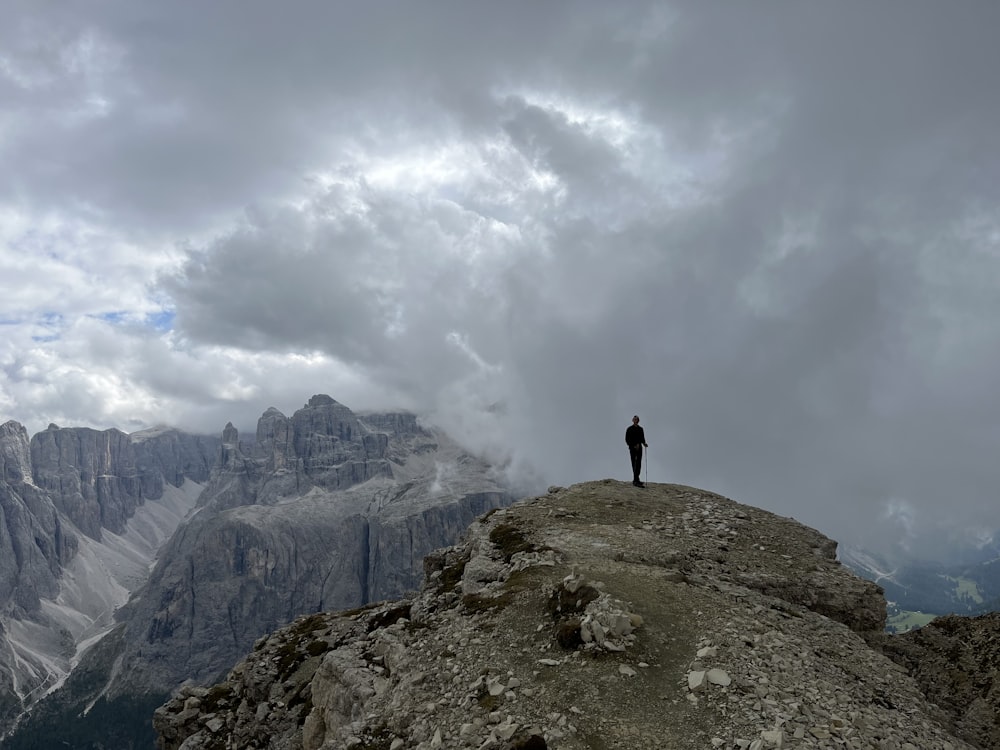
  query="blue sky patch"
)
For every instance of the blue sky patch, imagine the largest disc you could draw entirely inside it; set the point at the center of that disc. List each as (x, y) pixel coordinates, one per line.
(161, 321)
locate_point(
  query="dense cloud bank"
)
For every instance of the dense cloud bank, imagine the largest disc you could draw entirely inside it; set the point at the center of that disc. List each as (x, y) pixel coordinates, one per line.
(767, 229)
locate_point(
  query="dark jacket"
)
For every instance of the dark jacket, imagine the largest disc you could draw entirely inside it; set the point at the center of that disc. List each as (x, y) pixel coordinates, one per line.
(634, 436)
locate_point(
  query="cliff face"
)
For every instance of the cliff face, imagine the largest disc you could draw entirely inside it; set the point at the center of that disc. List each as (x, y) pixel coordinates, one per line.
(599, 616)
(166, 456)
(34, 542)
(91, 476)
(325, 510)
(61, 574)
(99, 478)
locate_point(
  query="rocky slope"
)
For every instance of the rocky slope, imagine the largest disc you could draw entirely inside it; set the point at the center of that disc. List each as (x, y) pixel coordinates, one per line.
(599, 616)
(956, 661)
(326, 509)
(82, 513)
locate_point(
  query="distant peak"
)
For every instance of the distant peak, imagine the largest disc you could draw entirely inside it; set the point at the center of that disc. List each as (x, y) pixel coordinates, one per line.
(321, 399)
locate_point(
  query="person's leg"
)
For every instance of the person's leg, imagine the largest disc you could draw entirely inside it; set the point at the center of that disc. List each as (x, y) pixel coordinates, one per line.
(636, 456)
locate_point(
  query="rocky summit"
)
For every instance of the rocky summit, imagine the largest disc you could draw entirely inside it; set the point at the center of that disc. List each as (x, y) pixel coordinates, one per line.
(598, 616)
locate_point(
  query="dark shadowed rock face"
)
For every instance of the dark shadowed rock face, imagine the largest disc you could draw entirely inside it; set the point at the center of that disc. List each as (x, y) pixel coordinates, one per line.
(956, 661)
(231, 577)
(275, 442)
(34, 545)
(396, 423)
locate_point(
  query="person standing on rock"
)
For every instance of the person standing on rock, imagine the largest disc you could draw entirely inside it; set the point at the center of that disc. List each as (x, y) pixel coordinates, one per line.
(635, 439)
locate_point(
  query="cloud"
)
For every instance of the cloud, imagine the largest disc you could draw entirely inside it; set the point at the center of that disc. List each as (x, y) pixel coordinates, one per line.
(768, 230)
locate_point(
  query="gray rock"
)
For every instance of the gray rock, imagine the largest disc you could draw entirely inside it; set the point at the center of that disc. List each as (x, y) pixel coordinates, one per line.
(15, 454)
(494, 668)
(169, 456)
(718, 677)
(98, 479)
(325, 511)
(59, 492)
(91, 475)
(697, 680)
(34, 541)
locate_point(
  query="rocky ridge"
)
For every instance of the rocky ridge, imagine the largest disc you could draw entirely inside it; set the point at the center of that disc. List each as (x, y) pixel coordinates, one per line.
(599, 616)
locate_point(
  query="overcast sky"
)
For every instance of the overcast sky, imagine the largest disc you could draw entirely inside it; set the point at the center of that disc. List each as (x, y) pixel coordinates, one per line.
(770, 229)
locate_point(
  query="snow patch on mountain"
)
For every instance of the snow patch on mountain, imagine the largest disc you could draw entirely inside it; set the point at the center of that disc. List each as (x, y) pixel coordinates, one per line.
(866, 564)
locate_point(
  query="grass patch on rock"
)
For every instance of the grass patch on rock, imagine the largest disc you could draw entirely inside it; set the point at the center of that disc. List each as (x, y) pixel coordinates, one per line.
(510, 540)
(309, 624)
(477, 603)
(217, 697)
(565, 603)
(568, 634)
(389, 617)
(317, 647)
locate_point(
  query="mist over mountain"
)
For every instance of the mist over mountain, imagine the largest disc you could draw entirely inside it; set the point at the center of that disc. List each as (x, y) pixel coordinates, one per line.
(968, 585)
(135, 564)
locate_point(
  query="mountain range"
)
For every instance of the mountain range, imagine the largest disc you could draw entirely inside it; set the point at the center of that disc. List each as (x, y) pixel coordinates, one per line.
(919, 590)
(134, 563)
(82, 513)
(136, 567)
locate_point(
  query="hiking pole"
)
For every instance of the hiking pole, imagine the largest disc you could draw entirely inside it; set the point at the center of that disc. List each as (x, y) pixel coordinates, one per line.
(647, 465)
